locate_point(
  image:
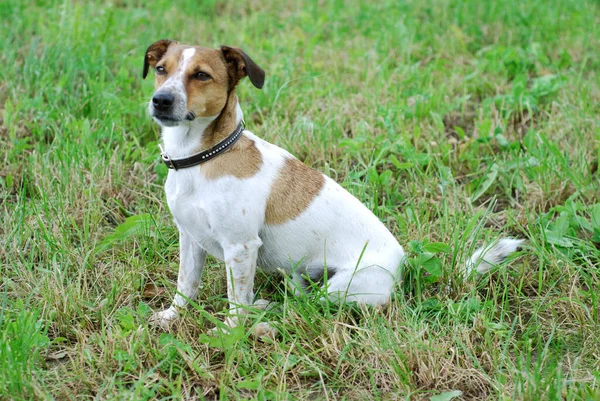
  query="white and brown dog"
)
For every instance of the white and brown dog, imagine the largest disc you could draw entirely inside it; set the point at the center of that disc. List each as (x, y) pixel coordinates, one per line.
(248, 202)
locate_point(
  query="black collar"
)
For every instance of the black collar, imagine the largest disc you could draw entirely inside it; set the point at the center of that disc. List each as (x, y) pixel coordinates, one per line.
(206, 155)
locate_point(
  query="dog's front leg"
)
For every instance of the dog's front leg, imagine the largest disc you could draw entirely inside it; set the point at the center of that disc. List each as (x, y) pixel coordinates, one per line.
(191, 264)
(240, 260)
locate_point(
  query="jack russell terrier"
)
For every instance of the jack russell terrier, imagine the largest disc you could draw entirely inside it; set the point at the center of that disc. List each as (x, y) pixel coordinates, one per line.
(248, 202)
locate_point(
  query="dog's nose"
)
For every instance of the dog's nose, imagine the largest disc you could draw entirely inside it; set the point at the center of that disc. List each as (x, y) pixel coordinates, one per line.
(163, 101)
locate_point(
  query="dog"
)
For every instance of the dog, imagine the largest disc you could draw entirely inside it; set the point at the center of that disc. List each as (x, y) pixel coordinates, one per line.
(250, 203)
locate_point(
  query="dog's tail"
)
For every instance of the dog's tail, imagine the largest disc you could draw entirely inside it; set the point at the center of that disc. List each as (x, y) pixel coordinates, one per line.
(487, 257)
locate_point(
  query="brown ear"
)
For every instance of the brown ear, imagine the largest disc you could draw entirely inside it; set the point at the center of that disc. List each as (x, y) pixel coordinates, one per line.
(239, 65)
(155, 52)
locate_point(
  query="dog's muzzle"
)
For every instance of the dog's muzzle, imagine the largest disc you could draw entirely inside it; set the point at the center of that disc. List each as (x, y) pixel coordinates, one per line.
(169, 109)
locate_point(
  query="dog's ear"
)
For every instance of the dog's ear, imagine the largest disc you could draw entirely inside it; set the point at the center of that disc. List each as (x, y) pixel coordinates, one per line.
(239, 65)
(155, 52)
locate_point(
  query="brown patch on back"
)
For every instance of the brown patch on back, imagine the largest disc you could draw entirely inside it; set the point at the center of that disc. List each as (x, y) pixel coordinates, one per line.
(243, 160)
(292, 192)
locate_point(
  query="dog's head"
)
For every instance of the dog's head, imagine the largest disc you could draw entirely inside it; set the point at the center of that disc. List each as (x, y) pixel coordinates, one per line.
(193, 81)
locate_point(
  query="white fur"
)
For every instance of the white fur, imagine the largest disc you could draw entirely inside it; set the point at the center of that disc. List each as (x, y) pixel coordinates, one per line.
(181, 141)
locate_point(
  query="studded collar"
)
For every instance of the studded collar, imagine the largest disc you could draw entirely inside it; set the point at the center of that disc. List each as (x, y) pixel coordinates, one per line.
(204, 156)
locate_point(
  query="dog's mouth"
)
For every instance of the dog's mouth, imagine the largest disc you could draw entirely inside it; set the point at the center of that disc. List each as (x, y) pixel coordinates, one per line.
(163, 117)
(167, 120)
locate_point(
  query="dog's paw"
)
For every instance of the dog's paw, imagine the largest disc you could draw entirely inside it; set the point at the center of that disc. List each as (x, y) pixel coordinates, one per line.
(263, 304)
(163, 319)
(232, 321)
(264, 330)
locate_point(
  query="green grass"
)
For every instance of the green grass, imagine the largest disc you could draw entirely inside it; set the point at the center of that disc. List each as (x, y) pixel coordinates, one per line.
(452, 120)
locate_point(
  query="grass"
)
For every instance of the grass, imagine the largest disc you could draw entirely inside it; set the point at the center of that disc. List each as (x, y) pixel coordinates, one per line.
(452, 121)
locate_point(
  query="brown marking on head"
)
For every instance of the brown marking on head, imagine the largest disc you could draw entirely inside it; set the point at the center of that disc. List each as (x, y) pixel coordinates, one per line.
(155, 53)
(292, 192)
(240, 65)
(169, 60)
(208, 78)
(208, 86)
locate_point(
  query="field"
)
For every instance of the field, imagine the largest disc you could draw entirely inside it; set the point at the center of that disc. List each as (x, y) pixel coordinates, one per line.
(456, 122)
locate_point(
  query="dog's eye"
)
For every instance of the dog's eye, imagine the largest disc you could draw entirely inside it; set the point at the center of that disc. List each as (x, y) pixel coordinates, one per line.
(202, 76)
(160, 70)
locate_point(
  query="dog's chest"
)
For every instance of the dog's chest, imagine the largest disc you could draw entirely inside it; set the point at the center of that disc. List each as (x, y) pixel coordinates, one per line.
(190, 205)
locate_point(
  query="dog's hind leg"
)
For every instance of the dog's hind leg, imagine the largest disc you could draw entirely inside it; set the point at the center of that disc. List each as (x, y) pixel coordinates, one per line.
(370, 285)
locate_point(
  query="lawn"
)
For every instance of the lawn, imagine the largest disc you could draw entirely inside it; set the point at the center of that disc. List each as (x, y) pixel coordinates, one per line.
(456, 122)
